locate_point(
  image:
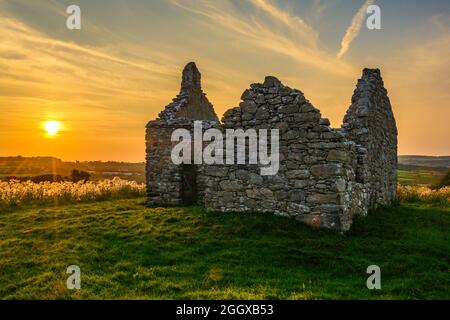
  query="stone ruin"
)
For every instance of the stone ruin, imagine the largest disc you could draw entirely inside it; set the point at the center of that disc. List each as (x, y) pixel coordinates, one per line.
(326, 175)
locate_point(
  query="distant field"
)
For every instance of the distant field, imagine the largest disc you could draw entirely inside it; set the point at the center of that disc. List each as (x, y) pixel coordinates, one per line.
(419, 176)
(128, 251)
(35, 166)
(425, 161)
(423, 170)
(4, 175)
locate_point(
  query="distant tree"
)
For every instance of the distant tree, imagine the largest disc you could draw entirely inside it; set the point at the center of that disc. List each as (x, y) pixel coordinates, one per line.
(445, 180)
(79, 175)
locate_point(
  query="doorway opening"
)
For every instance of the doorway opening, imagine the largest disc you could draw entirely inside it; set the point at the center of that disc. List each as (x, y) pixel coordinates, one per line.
(189, 191)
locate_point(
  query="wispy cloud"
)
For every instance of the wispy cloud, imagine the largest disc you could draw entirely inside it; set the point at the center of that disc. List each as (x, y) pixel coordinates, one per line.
(294, 23)
(319, 7)
(276, 30)
(64, 67)
(354, 29)
(100, 93)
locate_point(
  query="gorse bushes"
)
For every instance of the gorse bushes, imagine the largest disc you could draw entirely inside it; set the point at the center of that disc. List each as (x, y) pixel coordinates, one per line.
(445, 180)
(14, 193)
(424, 194)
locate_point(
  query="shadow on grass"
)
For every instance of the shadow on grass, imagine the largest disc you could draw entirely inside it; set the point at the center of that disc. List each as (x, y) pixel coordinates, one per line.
(128, 251)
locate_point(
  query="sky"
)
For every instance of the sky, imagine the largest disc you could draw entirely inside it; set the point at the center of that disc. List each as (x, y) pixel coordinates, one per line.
(103, 83)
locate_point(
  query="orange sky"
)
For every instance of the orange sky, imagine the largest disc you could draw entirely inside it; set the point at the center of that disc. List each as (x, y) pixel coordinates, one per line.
(105, 81)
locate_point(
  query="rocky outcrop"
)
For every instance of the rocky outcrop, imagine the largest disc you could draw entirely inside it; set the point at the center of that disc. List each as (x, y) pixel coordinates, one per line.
(325, 175)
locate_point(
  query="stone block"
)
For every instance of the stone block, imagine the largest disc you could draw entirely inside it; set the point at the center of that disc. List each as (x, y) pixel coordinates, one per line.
(323, 198)
(326, 170)
(338, 155)
(232, 185)
(297, 174)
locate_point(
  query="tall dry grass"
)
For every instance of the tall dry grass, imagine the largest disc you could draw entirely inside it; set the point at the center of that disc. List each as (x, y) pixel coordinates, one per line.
(424, 194)
(15, 193)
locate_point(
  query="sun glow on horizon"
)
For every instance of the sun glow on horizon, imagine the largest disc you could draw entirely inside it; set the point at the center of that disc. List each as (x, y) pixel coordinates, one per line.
(52, 127)
(88, 95)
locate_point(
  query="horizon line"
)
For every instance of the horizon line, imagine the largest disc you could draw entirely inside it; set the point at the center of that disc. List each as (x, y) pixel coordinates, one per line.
(143, 161)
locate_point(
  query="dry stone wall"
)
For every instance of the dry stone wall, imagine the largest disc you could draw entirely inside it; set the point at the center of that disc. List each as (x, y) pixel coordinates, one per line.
(325, 176)
(316, 177)
(167, 183)
(371, 124)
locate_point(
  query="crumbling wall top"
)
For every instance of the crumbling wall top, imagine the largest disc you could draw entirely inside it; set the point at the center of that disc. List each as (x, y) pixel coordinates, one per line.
(370, 123)
(191, 78)
(324, 176)
(191, 103)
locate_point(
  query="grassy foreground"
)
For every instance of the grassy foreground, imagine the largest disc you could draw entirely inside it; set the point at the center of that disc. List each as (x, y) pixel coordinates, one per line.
(127, 251)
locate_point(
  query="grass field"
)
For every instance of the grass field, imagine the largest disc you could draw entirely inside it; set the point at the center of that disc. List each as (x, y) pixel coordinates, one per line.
(419, 177)
(127, 251)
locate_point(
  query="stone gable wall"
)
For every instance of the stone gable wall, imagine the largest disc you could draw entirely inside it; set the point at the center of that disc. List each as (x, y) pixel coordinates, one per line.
(165, 180)
(371, 124)
(326, 175)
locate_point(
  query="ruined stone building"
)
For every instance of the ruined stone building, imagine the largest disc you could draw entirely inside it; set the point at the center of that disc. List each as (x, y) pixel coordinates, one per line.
(326, 175)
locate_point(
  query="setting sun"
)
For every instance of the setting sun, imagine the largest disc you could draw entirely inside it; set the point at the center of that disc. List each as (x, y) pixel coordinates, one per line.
(52, 127)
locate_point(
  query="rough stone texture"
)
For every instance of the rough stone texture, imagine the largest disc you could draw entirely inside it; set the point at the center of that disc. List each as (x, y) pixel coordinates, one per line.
(191, 103)
(371, 124)
(326, 175)
(167, 183)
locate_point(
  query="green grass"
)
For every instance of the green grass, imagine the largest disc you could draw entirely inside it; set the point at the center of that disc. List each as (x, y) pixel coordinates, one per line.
(419, 177)
(127, 251)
